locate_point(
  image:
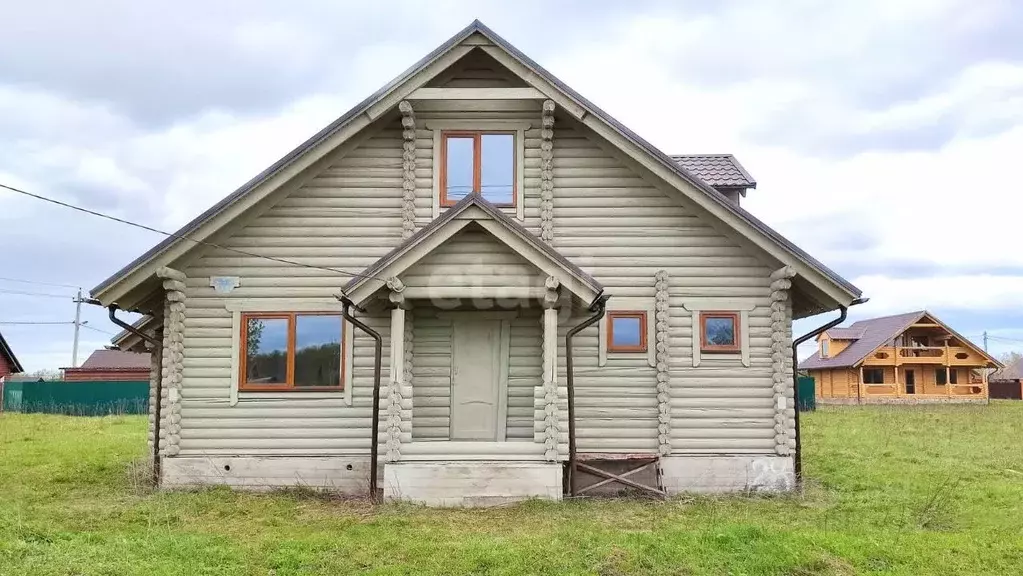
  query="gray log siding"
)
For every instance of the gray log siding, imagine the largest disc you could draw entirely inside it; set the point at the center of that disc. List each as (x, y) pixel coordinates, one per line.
(432, 375)
(608, 220)
(623, 230)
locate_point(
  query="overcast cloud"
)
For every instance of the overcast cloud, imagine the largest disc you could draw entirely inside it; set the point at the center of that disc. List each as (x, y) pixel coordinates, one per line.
(883, 134)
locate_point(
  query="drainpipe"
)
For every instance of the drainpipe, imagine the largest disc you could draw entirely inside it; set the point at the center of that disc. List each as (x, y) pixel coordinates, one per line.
(158, 393)
(346, 304)
(597, 307)
(842, 310)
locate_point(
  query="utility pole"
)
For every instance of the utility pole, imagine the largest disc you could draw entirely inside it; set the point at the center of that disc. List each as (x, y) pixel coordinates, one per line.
(985, 340)
(78, 324)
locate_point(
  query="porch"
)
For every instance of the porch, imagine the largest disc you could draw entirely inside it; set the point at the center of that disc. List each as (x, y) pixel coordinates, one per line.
(921, 381)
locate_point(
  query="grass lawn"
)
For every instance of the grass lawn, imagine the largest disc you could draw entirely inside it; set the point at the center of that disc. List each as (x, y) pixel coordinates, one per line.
(906, 490)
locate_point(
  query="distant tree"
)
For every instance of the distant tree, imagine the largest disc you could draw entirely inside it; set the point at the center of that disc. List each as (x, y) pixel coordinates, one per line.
(46, 374)
(1008, 358)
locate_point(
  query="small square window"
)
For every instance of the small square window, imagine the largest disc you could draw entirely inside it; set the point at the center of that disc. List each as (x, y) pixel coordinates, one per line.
(478, 162)
(626, 331)
(719, 331)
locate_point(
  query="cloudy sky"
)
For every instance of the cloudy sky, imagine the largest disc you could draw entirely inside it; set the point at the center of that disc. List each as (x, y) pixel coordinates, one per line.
(884, 134)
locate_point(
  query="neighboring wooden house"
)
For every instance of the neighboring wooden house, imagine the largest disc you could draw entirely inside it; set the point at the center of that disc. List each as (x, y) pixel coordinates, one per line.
(110, 366)
(8, 361)
(911, 358)
(478, 212)
(1007, 382)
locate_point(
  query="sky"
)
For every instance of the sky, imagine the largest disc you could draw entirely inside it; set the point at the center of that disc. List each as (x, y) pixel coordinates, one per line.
(883, 134)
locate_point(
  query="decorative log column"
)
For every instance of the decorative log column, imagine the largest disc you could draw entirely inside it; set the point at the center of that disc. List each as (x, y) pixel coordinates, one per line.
(408, 167)
(781, 362)
(406, 390)
(547, 173)
(173, 360)
(663, 364)
(551, 420)
(397, 376)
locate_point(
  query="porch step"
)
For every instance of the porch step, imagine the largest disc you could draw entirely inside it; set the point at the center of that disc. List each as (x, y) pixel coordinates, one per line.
(482, 483)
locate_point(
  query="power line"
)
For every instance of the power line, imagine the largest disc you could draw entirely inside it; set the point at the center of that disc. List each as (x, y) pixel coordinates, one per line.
(38, 283)
(36, 323)
(183, 237)
(97, 329)
(40, 294)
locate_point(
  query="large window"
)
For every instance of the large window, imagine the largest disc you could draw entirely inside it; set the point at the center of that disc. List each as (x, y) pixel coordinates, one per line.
(719, 331)
(291, 351)
(873, 375)
(481, 162)
(626, 331)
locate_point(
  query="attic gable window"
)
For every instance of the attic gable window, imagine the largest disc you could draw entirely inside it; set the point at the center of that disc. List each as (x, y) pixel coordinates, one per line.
(478, 161)
(291, 351)
(825, 348)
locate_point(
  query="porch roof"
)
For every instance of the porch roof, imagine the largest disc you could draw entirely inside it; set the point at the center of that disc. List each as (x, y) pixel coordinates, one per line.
(473, 208)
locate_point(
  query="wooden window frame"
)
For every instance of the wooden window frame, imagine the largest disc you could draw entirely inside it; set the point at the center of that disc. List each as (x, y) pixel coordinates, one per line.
(735, 347)
(289, 380)
(477, 164)
(870, 370)
(641, 315)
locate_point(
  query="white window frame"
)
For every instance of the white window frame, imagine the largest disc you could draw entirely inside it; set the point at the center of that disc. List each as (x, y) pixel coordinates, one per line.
(825, 348)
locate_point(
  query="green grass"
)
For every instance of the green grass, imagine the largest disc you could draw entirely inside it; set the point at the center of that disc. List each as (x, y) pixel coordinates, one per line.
(890, 490)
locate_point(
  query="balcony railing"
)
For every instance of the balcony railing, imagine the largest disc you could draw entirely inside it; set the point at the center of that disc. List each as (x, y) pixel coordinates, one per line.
(936, 355)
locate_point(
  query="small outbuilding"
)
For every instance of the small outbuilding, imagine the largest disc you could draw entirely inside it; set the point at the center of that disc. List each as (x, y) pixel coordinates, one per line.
(1007, 382)
(111, 366)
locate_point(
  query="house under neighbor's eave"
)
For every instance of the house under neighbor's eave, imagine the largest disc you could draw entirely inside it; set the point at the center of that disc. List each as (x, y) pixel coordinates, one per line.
(474, 272)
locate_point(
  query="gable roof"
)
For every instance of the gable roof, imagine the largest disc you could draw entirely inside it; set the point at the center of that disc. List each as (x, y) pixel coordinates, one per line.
(846, 333)
(5, 349)
(442, 228)
(1012, 371)
(831, 284)
(874, 333)
(718, 170)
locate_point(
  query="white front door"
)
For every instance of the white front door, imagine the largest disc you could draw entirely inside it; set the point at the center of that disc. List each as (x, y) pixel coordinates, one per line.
(475, 379)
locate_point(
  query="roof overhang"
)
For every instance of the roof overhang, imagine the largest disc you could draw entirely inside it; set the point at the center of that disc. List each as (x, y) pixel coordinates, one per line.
(131, 283)
(472, 209)
(5, 349)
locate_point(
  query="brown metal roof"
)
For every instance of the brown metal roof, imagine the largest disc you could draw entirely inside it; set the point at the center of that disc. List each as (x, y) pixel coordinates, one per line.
(116, 360)
(876, 332)
(718, 170)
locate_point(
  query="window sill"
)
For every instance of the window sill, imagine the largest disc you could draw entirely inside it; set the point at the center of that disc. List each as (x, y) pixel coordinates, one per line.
(282, 390)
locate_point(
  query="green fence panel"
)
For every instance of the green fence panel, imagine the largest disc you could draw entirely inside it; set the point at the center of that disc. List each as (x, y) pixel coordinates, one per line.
(11, 401)
(85, 398)
(807, 394)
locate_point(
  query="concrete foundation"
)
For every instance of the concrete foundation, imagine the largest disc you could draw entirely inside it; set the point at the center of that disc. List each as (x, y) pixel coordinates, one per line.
(901, 400)
(471, 483)
(720, 474)
(343, 475)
